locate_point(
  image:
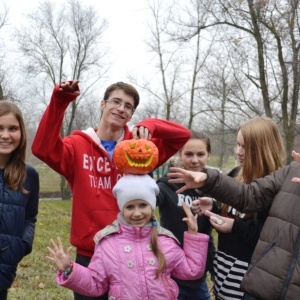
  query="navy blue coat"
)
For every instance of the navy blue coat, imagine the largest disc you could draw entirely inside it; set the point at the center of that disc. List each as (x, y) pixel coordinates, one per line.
(18, 215)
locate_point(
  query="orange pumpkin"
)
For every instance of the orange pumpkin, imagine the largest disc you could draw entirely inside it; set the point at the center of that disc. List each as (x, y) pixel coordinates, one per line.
(136, 156)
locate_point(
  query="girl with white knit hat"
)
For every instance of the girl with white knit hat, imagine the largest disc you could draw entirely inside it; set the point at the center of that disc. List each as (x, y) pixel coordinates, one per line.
(135, 257)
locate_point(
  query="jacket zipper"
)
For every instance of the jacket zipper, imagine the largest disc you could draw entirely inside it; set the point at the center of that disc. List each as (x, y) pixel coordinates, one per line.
(274, 243)
(291, 270)
(140, 260)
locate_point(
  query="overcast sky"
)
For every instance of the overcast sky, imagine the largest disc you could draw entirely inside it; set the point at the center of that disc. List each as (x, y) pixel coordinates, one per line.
(125, 35)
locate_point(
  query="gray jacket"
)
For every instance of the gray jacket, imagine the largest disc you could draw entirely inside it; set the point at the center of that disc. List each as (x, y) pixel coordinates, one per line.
(274, 272)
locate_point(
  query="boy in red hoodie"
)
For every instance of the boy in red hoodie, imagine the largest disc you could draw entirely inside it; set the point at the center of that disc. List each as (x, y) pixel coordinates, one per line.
(85, 157)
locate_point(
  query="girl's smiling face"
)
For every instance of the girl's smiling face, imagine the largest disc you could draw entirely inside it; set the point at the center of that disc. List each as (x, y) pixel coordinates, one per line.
(137, 212)
(10, 135)
(194, 155)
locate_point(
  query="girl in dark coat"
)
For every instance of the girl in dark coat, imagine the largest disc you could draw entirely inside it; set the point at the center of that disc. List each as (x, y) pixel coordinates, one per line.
(194, 155)
(260, 151)
(19, 190)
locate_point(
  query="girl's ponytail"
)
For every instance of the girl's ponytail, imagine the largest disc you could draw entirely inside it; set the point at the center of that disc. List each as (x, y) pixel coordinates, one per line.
(157, 252)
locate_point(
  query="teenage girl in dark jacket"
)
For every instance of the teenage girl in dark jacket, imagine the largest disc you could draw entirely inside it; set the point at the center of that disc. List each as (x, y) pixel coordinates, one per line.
(194, 155)
(19, 190)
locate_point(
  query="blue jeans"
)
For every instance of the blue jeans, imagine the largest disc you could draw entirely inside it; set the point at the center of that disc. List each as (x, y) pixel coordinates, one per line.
(84, 261)
(202, 293)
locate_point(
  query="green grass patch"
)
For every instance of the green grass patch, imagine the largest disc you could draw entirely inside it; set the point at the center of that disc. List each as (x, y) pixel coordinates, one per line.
(49, 179)
(36, 275)
(227, 165)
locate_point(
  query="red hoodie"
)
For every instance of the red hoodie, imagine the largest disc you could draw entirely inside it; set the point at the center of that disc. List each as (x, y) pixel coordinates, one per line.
(86, 166)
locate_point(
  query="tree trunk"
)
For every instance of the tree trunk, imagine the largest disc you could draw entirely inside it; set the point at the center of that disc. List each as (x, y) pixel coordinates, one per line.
(64, 188)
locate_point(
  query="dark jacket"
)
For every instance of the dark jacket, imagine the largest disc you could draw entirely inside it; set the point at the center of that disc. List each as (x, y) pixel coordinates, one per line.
(18, 214)
(171, 214)
(235, 250)
(274, 272)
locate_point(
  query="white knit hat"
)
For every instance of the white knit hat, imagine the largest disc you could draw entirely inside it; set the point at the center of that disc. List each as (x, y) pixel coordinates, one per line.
(131, 187)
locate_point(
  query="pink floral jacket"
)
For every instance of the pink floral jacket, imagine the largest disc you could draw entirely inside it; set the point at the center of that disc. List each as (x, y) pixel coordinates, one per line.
(124, 264)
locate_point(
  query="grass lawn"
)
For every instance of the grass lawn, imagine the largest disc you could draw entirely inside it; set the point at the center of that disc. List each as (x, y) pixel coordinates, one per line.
(36, 276)
(49, 179)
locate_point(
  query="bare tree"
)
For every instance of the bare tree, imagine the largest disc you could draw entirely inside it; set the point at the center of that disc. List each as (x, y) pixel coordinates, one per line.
(284, 27)
(180, 55)
(196, 44)
(223, 97)
(168, 63)
(272, 29)
(3, 15)
(257, 75)
(63, 43)
(3, 21)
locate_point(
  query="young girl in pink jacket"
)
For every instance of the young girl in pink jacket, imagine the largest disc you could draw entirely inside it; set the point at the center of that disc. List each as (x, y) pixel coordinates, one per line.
(135, 257)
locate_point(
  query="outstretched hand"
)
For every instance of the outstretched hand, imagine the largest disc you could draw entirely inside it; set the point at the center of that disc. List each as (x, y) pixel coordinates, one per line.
(226, 225)
(58, 256)
(190, 219)
(191, 179)
(296, 157)
(70, 87)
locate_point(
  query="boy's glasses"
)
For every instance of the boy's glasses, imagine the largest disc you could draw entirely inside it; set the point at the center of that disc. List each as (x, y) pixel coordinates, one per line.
(116, 102)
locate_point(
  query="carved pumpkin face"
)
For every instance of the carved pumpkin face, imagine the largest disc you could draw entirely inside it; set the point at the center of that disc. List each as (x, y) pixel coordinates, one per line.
(136, 156)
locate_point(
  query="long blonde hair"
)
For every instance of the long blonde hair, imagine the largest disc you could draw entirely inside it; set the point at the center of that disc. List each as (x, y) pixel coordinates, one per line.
(157, 252)
(264, 150)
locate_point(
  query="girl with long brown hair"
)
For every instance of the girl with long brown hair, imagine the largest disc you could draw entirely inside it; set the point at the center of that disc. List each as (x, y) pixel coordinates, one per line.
(260, 151)
(19, 195)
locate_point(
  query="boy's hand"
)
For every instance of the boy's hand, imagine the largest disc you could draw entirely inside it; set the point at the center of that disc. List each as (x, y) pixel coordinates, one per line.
(70, 87)
(141, 132)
